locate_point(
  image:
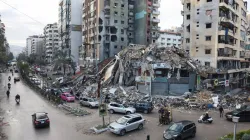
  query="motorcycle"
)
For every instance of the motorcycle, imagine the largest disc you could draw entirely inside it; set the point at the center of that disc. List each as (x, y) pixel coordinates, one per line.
(17, 101)
(209, 120)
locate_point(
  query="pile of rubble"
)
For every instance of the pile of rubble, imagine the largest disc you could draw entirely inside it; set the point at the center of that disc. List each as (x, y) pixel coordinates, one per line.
(120, 70)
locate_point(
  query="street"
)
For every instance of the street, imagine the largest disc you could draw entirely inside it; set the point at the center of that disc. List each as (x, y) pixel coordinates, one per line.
(66, 127)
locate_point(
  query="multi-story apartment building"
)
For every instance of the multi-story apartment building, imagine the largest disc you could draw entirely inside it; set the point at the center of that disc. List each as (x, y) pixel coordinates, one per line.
(146, 21)
(169, 38)
(69, 26)
(215, 35)
(52, 42)
(109, 26)
(34, 45)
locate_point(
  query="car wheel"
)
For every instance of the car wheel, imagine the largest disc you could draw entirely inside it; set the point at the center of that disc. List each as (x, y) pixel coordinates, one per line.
(140, 127)
(193, 135)
(111, 111)
(145, 111)
(90, 106)
(128, 112)
(122, 132)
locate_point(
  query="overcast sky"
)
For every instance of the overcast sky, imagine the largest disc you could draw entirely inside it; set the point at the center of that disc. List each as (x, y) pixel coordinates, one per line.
(19, 26)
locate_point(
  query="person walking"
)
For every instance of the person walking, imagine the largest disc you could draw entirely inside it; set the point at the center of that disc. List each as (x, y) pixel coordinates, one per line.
(221, 111)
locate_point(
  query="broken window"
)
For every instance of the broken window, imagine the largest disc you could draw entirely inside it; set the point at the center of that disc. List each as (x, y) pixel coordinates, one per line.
(188, 6)
(116, 13)
(100, 29)
(113, 30)
(113, 38)
(207, 51)
(208, 38)
(99, 37)
(100, 21)
(207, 64)
(209, 25)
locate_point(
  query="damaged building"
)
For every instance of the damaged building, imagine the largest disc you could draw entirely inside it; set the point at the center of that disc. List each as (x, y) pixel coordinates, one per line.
(215, 35)
(154, 70)
(109, 26)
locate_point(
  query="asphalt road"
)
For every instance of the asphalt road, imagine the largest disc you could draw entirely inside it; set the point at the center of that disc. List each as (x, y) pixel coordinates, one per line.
(67, 127)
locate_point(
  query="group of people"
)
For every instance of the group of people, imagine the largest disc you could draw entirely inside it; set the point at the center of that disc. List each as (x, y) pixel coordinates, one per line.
(164, 115)
(17, 97)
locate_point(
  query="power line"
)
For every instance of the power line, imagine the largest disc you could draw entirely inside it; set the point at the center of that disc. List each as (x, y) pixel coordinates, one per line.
(22, 12)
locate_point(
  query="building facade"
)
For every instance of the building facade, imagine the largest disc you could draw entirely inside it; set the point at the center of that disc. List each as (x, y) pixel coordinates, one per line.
(215, 35)
(108, 26)
(146, 21)
(169, 38)
(35, 45)
(69, 25)
(52, 42)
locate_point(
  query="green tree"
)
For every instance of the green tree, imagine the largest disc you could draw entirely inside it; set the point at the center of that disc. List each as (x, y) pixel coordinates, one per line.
(22, 57)
(62, 58)
(3, 56)
(10, 56)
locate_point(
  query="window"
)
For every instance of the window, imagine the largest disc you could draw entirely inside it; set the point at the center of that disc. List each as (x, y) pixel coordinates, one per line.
(174, 39)
(122, 22)
(122, 5)
(115, 46)
(122, 31)
(209, 25)
(188, 16)
(116, 21)
(208, 51)
(209, 0)
(116, 4)
(116, 13)
(187, 40)
(122, 39)
(208, 38)
(122, 14)
(207, 64)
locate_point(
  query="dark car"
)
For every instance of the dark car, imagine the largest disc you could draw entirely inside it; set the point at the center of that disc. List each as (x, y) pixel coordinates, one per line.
(180, 130)
(56, 92)
(16, 71)
(145, 107)
(40, 119)
(16, 79)
(243, 113)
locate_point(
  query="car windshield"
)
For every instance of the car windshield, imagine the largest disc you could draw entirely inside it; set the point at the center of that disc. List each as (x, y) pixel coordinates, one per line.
(65, 90)
(41, 116)
(92, 100)
(122, 121)
(175, 127)
(68, 95)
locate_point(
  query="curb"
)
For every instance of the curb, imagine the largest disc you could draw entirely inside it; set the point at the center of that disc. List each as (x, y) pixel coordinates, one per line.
(98, 131)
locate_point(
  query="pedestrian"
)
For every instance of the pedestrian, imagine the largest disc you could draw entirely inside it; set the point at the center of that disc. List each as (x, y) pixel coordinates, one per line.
(221, 111)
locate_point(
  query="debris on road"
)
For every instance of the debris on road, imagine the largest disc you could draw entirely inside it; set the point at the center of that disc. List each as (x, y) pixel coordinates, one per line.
(74, 111)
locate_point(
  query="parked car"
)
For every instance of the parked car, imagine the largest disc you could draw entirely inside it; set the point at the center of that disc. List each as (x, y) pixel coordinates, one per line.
(243, 113)
(40, 119)
(127, 123)
(120, 108)
(38, 82)
(90, 102)
(180, 130)
(145, 107)
(56, 92)
(67, 97)
(16, 78)
(68, 90)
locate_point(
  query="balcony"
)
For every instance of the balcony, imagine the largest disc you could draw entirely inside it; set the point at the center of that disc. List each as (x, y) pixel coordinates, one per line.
(131, 13)
(130, 21)
(131, 7)
(156, 28)
(156, 12)
(222, 32)
(156, 4)
(49, 47)
(107, 6)
(155, 20)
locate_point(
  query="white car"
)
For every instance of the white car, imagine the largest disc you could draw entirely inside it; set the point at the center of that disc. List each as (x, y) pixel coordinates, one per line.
(127, 123)
(120, 108)
(90, 102)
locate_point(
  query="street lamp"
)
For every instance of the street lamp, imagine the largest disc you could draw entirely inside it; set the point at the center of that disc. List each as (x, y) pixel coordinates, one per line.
(235, 120)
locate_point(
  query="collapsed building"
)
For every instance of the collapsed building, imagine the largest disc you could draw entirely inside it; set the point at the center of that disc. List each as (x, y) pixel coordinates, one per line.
(154, 70)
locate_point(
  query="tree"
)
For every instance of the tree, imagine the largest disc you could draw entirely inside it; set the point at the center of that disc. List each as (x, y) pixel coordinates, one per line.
(10, 56)
(61, 58)
(22, 57)
(3, 56)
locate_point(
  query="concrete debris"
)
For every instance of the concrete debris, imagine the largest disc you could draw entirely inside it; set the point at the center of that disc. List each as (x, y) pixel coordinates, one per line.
(121, 70)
